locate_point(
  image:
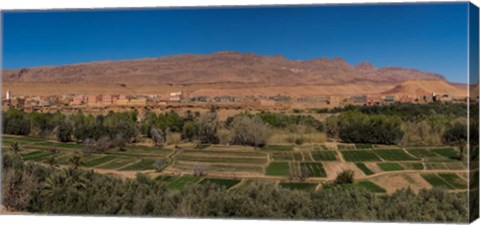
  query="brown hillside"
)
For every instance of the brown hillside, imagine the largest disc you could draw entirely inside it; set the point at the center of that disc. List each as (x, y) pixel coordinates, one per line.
(427, 87)
(241, 69)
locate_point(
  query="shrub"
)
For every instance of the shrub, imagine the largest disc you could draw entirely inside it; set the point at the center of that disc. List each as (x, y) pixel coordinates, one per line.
(249, 131)
(224, 136)
(345, 177)
(157, 137)
(207, 128)
(173, 138)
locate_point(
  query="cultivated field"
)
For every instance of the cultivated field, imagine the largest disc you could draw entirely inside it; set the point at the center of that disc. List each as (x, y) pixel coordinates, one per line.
(381, 169)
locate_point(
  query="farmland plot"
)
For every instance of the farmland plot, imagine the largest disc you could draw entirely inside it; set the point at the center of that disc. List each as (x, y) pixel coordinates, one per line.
(278, 169)
(314, 169)
(226, 183)
(390, 166)
(370, 186)
(437, 181)
(394, 155)
(324, 155)
(299, 186)
(360, 156)
(364, 168)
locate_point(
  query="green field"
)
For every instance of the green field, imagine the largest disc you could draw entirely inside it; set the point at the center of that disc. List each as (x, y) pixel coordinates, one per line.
(181, 182)
(99, 160)
(144, 164)
(116, 164)
(364, 168)
(37, 155)
(278, 148)
(390, 166)
(370, 186)
(446, 152)
(315, 169)
(394, 155)
(226, 183)
(220, 159)
(454, 180)
(413, 166)
(421, 153)
(201, 146)
(360, 156)
(345, 147)
(278, 169)
(436, 166)
(363, 146)
(437, 181)
(324, 155)
(318, 147)
(299, 186)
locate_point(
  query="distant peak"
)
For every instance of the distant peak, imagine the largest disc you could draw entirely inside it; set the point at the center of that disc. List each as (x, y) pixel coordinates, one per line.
(227, 53)
(365, 66)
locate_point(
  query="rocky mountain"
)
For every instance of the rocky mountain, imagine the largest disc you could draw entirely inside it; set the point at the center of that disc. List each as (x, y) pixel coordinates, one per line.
(218, 68)
(426, 88)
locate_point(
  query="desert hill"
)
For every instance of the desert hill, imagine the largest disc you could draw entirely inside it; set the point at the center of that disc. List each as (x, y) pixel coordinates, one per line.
(218, 68)
(426, 88)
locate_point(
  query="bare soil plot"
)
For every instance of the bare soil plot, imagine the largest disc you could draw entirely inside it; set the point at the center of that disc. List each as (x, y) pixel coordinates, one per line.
(393, 182)
(333, 168)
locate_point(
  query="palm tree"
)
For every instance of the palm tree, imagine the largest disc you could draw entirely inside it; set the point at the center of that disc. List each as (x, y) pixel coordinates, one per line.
(76, 161)
(51, 162)
(15, 147)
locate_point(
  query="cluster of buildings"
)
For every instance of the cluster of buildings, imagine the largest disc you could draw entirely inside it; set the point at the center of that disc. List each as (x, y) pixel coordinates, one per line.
(179, 99)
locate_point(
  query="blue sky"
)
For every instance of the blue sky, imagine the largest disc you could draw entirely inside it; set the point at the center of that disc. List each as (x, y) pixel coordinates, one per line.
(429, 37)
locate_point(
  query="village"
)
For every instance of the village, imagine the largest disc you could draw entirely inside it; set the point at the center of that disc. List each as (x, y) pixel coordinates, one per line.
(180, 99)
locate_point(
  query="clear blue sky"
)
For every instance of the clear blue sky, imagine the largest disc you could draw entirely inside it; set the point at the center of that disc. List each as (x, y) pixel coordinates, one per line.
(429, 37)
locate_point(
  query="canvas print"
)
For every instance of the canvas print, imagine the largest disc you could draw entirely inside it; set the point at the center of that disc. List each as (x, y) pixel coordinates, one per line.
(364, 112)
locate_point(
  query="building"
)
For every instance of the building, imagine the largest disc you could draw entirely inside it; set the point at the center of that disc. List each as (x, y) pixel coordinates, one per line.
(389, 99)
(176, 96)
(78, 100)
(362, 99)
(8, 95)
(407, 99)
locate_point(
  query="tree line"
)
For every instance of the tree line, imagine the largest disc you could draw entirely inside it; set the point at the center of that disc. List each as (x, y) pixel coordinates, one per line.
(169, 127)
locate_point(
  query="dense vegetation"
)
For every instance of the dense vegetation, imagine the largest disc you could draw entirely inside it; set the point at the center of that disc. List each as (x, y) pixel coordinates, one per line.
(39, 189)
(432, 124)
(407, 111)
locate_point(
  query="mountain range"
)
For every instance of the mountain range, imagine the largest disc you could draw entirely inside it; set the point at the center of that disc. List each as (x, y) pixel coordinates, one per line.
(226, 71)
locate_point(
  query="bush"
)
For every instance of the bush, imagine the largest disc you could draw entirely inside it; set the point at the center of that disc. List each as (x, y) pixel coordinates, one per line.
(224, 136)
(249, 131)
(157, 137)
(159, 165)
(207, 128)
(345, 177)
(173, 138)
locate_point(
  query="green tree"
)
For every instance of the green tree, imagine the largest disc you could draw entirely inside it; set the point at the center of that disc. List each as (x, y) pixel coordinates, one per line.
(456, 135)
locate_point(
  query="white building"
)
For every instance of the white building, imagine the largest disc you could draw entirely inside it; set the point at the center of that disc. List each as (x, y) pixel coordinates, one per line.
(8, 95)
